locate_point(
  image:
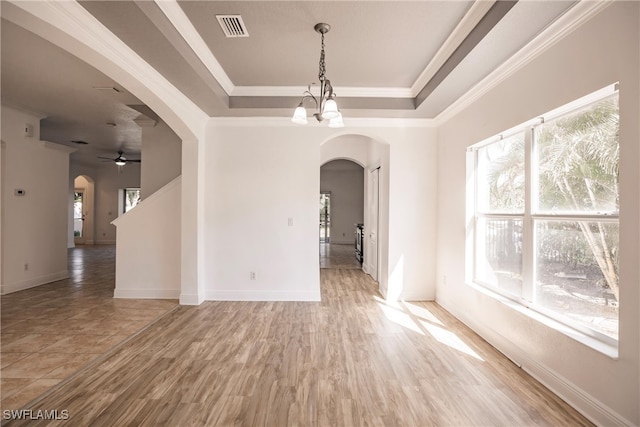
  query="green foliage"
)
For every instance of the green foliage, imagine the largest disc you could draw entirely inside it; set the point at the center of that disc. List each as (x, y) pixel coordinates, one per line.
(503, 163)
(575, 167)
(578, 160)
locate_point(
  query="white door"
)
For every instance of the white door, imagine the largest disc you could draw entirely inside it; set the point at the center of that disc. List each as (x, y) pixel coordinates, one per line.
(371, 229)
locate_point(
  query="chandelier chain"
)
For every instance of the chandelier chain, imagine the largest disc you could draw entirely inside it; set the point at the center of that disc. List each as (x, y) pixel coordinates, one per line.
(322, 67)
(325, 103)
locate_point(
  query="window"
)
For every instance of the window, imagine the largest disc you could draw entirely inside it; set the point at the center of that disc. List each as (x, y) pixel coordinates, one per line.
(131, 197)
(545, 214)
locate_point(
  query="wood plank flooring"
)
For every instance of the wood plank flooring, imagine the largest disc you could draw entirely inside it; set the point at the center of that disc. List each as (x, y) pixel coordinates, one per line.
(334, 255)
(349, 360)
(50, 332)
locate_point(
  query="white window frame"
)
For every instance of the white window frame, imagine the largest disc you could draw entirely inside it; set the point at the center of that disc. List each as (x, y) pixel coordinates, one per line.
(529, 218)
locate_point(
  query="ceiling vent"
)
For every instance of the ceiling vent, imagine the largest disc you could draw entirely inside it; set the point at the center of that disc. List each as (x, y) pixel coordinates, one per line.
(232, 25)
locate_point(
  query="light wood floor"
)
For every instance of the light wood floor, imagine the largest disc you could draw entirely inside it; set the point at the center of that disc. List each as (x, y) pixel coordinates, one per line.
(334, 255)
(349, 360)
(52, 331)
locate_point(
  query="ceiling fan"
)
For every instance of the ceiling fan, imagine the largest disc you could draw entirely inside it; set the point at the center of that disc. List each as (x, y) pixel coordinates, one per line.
(121, 160)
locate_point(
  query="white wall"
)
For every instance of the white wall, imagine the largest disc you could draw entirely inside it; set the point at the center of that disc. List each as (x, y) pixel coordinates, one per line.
(602, 51)
(350, 147)
(344, 179)
(108, 180)
(257, 180)
(259, 173)
(161, 155)
(148, 251)
(412, 218)
(34, 226)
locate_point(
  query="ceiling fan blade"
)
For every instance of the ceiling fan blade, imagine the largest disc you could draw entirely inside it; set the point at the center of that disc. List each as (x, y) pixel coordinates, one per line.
(134, 160)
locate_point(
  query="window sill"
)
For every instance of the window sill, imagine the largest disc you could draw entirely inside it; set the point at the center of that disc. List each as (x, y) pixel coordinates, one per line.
(589, 341)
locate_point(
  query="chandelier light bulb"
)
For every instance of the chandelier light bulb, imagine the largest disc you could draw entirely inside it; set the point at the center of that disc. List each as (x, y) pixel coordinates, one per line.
(336, 122)
(330, 110)
(299, 115)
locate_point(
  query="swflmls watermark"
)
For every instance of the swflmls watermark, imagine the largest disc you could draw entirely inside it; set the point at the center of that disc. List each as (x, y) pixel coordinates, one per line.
(40, 414)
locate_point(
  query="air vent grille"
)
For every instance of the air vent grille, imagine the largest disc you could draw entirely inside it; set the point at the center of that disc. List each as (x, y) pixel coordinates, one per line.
(232, 25)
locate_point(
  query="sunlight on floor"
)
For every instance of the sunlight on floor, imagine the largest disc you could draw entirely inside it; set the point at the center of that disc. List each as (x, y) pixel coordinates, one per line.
(420, 320)
(422, 312)
(400, 318)
(450, 339)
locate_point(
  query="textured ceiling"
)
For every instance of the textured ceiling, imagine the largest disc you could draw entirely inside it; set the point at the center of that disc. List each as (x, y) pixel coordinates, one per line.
(370, 44)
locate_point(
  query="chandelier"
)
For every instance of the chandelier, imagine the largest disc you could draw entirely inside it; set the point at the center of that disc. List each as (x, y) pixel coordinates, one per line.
(325, 103)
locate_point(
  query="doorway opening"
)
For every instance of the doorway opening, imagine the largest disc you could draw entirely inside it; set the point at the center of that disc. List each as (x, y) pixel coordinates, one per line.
(325, 217)
(341, 213)
(83, 211)
(78, 214)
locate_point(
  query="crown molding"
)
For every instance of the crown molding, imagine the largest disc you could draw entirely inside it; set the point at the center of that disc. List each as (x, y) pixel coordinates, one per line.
(185, 28)
(381, 122)
(469, 21)
(340, 91)
(355, 122)
(573, 19)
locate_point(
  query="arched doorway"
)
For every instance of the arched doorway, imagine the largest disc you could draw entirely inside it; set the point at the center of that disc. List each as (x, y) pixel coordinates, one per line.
(373, 156)
(67, 26)
(341, 212)
(83, 210)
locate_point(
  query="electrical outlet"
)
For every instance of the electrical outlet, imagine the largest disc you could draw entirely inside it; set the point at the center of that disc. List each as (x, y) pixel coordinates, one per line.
(444, 279)
(252, 275)
(26, 267)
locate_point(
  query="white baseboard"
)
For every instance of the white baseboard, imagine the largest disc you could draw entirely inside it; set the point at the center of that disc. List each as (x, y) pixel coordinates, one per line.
(263, 296)
(191, 299)
(366, 268)
(146, 293)
(415, 297)
(32, 283)
(596, 411)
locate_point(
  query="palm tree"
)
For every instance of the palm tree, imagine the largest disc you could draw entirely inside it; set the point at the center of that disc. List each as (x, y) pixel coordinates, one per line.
(578, 171)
